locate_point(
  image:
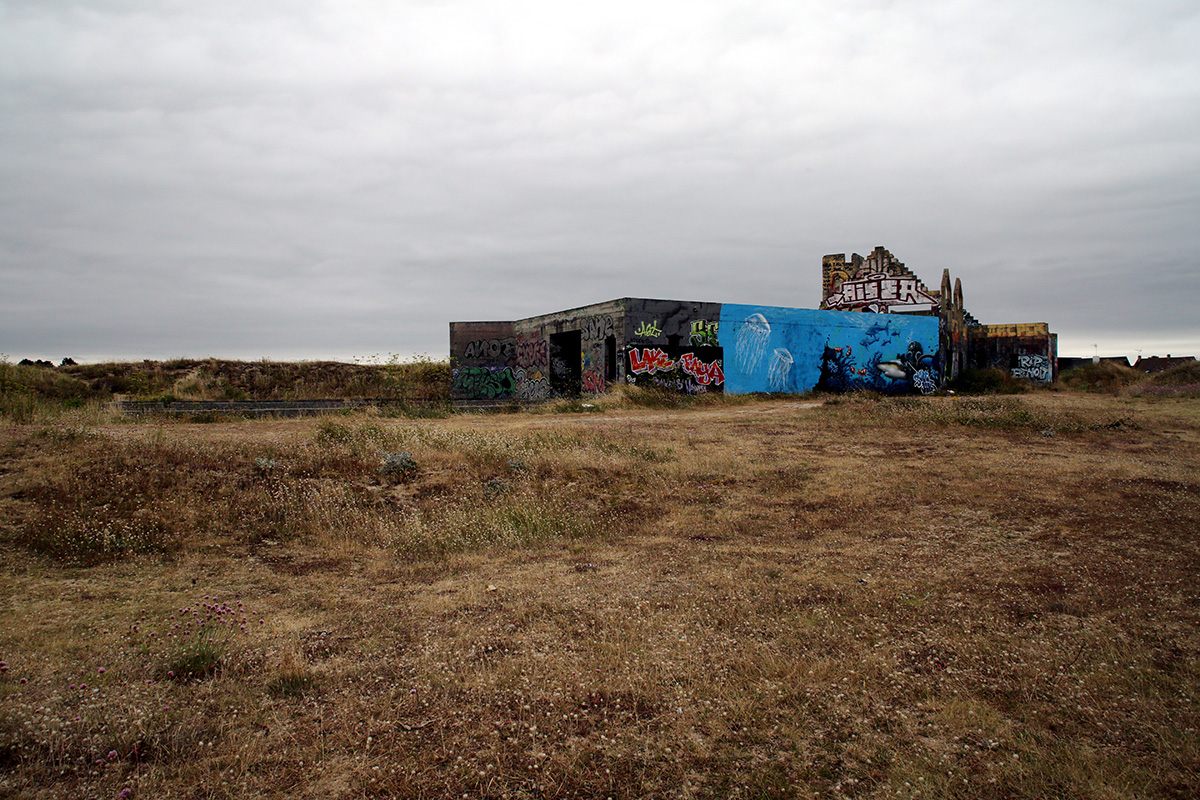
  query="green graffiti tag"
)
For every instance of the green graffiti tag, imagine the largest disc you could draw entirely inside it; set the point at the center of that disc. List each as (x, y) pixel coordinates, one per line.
(704, 333)
(649, 329)
(485, 383)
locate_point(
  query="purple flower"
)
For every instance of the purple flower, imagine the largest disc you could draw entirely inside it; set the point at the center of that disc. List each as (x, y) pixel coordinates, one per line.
(101, 670)
(112, 755)
(125, 793)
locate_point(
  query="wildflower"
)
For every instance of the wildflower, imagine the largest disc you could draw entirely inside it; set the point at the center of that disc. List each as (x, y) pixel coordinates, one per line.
(112, 755)
(125, 793)
(101, 670)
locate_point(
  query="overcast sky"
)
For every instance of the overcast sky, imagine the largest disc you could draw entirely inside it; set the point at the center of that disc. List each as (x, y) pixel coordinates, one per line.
(341, 179)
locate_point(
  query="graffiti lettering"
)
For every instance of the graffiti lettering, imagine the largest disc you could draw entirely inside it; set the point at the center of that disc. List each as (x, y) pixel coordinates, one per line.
(882, 293)
(593, 327)
(498, 349)
(592, 381)
(704, 333)
(650, 361)
(649, 330)
(532, 386)
(484, 383)
(532, 351)
(676, 384)
(702, 372)
(1035, 368)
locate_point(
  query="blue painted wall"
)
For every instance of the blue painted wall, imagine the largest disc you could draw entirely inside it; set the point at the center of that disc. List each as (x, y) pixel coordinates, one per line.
(773, 349)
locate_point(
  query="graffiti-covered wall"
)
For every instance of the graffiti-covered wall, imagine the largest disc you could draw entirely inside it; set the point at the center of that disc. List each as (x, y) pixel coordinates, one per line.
(1026, 350)
(693, 348)
(772, 349)
(569, 353)
(482, 361)
(877, 283)
(674, 345)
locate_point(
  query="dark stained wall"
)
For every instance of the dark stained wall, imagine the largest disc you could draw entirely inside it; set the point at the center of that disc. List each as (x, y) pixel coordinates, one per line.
(1026, 350)
(482, 360)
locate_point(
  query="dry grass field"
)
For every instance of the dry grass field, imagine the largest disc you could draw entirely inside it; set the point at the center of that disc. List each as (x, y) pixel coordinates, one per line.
(946, 597)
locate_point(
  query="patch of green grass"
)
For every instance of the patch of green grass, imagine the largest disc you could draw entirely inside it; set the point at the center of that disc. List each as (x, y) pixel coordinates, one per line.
(195, 658)
(290, 683)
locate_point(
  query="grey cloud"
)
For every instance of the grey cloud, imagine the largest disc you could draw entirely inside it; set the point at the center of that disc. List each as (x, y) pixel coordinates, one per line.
(344, 178)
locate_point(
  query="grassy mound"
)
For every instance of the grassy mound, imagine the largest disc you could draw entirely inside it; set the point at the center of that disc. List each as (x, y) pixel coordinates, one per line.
(1105, 377)
(1182, 380)
(32, 392)
(217, 379)
(25, 391)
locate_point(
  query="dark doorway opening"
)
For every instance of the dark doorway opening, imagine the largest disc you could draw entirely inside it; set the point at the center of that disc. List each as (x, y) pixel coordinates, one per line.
(566, 367)
(610, 359)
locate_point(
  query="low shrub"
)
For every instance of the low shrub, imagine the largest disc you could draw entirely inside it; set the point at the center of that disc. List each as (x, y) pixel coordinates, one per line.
(1182, 380)
(398, 466)
(989, 381)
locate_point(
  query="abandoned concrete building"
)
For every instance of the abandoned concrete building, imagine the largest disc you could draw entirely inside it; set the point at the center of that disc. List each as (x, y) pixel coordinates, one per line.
(878, 327)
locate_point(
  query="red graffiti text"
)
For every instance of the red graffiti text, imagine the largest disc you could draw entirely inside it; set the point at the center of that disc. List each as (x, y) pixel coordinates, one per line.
(702, 372)
(649, 361)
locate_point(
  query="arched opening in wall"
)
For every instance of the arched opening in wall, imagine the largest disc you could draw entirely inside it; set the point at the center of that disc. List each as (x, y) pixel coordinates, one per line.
(610, 358)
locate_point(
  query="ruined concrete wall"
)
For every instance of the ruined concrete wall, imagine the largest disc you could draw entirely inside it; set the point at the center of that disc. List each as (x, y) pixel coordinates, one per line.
(564, 354)
(558, 366)
(953, 317)
(1026, 350)
(481, 361)
(877, 283)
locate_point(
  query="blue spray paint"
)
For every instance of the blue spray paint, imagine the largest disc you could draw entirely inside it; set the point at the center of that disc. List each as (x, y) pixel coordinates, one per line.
(773, 349)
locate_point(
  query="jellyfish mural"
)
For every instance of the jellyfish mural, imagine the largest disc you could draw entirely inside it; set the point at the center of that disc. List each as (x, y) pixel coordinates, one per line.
(780, 370)
(752, 339)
